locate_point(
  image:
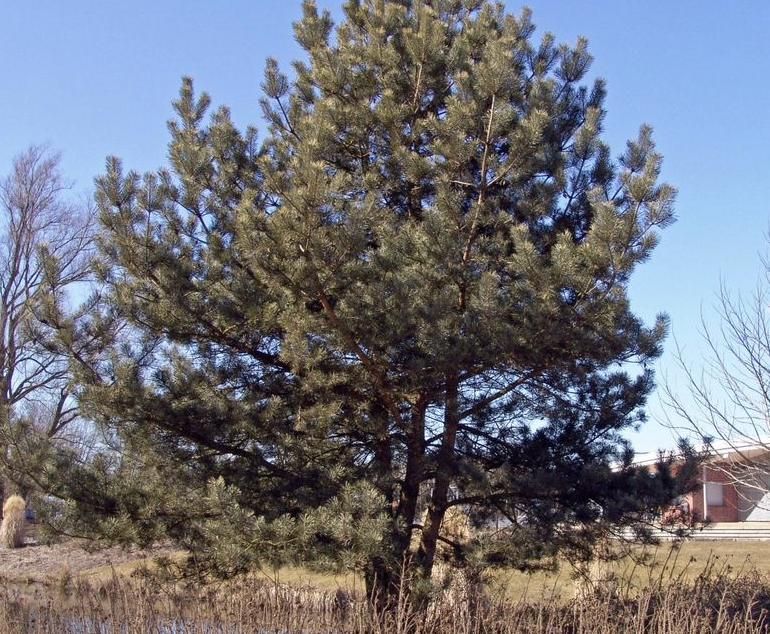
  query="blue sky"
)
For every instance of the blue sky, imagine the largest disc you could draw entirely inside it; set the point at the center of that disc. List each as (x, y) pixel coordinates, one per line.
(94, 78)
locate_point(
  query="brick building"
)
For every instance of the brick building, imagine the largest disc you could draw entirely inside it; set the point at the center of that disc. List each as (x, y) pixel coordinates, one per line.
(734, 486)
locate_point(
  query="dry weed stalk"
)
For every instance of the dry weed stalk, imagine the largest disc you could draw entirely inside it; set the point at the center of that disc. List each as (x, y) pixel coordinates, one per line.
(717, 602)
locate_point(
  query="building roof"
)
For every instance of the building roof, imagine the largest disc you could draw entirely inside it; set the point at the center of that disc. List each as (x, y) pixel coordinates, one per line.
(718, 451)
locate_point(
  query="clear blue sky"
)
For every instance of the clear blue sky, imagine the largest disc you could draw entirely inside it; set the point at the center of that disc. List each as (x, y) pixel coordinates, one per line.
(95, 78)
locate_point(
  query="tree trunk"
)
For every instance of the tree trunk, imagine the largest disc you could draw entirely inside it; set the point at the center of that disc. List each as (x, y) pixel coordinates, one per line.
(382, 584)
(445, 467)
(385, 577)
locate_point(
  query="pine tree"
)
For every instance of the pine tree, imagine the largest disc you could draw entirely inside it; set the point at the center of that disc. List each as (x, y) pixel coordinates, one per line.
(412, 293)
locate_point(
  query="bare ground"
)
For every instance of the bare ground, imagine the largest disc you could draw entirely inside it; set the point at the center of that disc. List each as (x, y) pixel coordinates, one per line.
(42, 563)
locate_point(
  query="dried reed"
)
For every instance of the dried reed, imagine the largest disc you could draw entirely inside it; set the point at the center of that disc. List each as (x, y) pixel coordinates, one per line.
(13, 525)
(718, 601)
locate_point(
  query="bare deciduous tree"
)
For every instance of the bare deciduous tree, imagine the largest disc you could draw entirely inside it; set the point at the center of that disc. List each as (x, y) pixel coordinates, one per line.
(45, 248)
(727, 401)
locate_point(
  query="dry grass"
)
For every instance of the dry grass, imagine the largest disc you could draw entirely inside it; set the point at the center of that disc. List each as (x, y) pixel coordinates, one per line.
(134, 567)
(717, 601)
(14, 523)
(703, 588)
(302, 577)
(665, 562)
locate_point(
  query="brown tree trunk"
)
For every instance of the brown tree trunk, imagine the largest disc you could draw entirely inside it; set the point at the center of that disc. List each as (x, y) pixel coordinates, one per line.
(445, 467)
(384, 577)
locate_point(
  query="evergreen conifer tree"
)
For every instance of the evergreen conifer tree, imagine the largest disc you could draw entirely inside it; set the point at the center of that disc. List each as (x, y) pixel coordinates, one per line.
(411, 296)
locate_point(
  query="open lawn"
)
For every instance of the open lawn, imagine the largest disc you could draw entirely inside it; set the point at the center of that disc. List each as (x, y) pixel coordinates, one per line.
(696, 588)
(665, 562)
(38, 563)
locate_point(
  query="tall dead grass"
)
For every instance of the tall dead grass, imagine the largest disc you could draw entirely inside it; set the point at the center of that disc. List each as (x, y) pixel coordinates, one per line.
(14, 523)
(718, 601)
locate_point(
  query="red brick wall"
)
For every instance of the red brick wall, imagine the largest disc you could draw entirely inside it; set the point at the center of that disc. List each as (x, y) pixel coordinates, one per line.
(728, 511)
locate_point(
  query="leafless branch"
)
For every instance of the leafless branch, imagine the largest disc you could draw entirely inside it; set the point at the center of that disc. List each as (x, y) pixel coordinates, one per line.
(45, 250)
(726, 402)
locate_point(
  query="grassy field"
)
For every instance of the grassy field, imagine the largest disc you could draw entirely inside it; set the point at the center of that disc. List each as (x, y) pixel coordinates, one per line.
(687, 560)
(665, 562)
(697, 588)
(716, 602)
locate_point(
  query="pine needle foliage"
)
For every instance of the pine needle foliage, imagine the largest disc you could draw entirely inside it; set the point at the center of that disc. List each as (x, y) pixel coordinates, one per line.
(410, 296)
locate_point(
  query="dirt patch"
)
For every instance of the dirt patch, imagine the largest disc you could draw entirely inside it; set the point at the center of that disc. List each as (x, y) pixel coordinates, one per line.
(38, 562)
